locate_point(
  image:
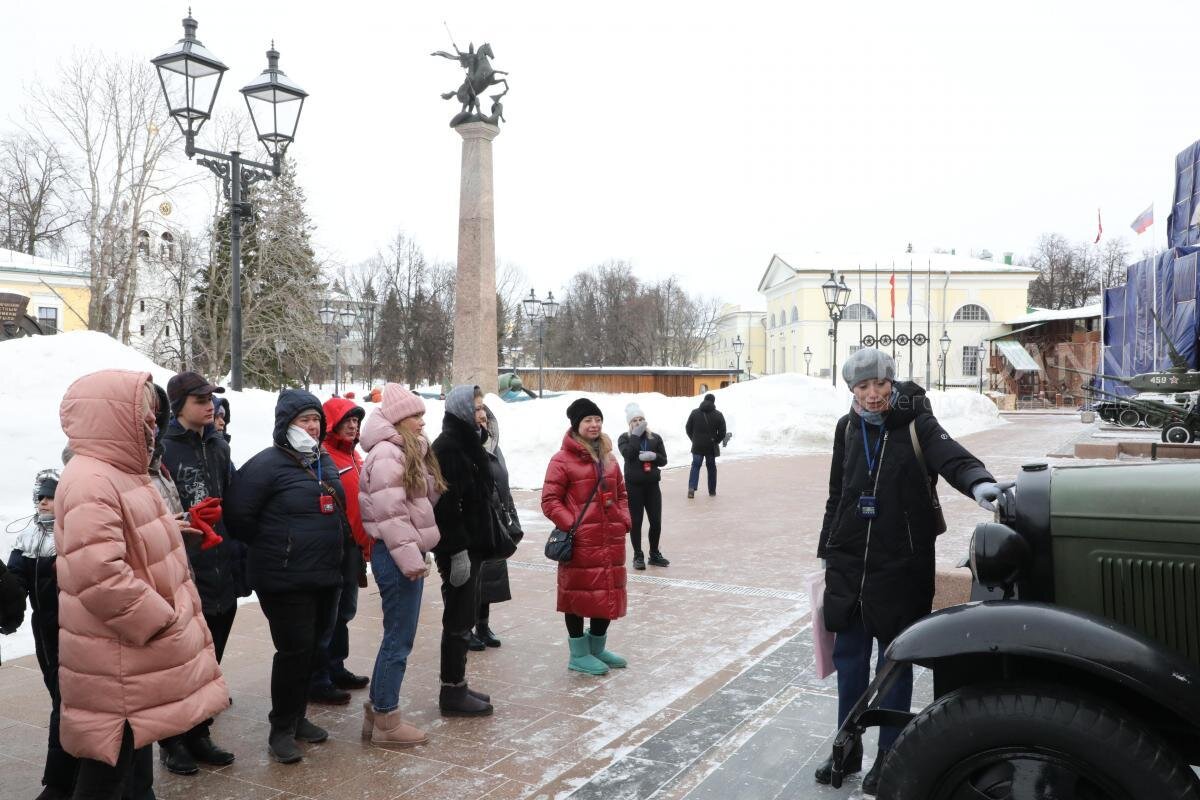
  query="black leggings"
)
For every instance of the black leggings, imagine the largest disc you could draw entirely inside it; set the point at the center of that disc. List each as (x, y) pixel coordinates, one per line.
(645, 498)
(575, 626)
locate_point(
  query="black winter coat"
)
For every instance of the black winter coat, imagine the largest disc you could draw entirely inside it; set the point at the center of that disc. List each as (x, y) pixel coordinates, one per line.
(273, 505)
(631, 449)
(885, 567)
(464, 512)
(706, 428)
(201, 466)
(36, 572)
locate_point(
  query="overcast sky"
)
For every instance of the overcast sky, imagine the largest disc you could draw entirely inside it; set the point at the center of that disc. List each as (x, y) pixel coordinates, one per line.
(695, 138)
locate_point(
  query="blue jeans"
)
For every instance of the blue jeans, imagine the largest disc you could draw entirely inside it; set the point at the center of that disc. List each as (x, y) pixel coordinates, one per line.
(852, 660)
(401, 608)
(694, 477)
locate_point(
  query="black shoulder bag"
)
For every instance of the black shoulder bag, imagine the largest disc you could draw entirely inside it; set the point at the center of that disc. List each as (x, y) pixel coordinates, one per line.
(561, 544)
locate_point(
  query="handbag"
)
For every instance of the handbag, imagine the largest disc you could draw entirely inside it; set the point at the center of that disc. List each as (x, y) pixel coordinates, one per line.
(503, 543)
(561, 544)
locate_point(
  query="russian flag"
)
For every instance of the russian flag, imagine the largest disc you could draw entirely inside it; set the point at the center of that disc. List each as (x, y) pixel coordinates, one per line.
(1144, 220)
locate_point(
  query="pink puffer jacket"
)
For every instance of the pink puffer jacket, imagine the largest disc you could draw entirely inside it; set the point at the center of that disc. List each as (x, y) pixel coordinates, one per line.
(133, 644)
(401, 520)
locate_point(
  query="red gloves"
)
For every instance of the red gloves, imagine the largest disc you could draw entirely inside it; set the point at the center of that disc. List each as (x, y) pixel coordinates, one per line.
(204, 515)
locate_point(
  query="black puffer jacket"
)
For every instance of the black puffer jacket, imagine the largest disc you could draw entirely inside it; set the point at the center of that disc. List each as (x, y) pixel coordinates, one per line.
(631, 449)
(273, 505)
(706, 428)
(464, 512)
(32, 561)
(887, 564)
(493, 575)
(201, 466)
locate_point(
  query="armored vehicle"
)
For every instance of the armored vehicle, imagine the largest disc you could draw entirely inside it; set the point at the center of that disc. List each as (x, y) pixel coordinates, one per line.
(1083, 679)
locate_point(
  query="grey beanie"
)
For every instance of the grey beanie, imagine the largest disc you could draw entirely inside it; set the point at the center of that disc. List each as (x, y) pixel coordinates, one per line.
(461, 402)
(633, 410)
(868, 364)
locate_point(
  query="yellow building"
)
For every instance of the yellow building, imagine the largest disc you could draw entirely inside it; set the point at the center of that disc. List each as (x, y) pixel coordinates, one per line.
(58, 293)
(968, 299)
(733, 325)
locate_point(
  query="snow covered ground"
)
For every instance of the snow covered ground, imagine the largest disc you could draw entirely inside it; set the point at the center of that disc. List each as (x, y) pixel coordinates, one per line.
(777, 415)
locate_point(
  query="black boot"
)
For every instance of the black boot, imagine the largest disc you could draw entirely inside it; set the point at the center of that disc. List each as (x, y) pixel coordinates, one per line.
(53, 793)
(484, 634)
(204, 750)
(824, 772)
(329, 695)
(870, 784)
(456, 701)
(345, 679)
(657, 559)
(308, 732)
(282, 743)
(176, 758)
(639, 560)
(487, 698)
(475, 644)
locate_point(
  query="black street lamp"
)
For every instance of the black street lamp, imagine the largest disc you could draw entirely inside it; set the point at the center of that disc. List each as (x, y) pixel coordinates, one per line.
(836, 294)
(944, 343)
(540, 312)
(280, 349)
(942, 369)
(807, 361)
(749, 368)
(738, 344)
(190, 76)
(335, 322)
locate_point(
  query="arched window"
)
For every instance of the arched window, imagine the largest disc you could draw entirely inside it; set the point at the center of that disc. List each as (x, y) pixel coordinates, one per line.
(772, 320)
(166, 249)
(972, 313)
(795, 315)
(858, 311)
(143, 244)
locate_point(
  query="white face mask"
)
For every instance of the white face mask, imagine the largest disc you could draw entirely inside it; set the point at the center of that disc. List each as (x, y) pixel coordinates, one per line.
(300, 441)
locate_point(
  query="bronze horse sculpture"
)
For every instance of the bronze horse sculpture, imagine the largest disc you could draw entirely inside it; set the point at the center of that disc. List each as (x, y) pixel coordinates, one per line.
(480, 76)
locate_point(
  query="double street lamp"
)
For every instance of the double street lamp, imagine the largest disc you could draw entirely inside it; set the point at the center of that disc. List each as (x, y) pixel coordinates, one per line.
(190, 76)
(807, 361)
(336, 322)
(539, 312)
(738, 344)
(944, 358)
(837, 295)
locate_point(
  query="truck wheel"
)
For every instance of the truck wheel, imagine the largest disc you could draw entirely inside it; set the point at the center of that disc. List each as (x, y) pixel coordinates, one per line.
(1031, 742)
(1177, 433)
(1155, 419)
(1129, 418)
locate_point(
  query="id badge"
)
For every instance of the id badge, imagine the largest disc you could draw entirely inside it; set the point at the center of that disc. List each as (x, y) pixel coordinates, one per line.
(866, 507)
(326, 504)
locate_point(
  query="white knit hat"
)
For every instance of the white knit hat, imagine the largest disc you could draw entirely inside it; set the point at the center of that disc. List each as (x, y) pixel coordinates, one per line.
(633, 410)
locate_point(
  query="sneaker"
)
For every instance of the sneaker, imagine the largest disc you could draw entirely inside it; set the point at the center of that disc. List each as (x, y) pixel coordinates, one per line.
(657, 559)
(204, 750)
(308, 732)
(691, 493)
(347, 680)
(176, 758)
(639, 561)
(329, 695)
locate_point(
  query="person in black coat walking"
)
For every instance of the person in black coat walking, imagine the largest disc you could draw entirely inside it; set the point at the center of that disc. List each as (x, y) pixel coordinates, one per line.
(464, 518)
(198, 460)
(706, 428)
(493, 573)
(287, 503)
(645, 455)
(881, 519)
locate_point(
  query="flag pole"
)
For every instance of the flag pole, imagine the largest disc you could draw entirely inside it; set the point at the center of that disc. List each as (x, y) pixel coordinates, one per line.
(928, 322)
(911, 368)
(876, 301)
(892, 285)
(860, 294)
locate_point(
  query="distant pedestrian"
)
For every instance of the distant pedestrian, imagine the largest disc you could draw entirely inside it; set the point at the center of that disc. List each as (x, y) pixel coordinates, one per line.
(583, 490)
(124, 590)
(706, 428)
(401, 480)
(221, 416)
(493, 574)
(877, 536)
(645, 455)
(287, 503)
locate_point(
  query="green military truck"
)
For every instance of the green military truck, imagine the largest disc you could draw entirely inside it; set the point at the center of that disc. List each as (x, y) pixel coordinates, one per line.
(1082, 682)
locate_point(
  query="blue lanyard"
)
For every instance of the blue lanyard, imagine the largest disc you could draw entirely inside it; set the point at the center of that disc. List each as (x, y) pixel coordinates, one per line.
(871, 462)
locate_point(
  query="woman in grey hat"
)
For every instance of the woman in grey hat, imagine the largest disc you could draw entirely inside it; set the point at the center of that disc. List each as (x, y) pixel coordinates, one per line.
(881, 519)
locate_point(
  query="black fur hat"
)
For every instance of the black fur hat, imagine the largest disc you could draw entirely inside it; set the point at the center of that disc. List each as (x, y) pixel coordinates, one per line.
(581, 408)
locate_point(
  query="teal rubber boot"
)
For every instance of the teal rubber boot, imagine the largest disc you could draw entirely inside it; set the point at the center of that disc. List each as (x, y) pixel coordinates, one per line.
(581, 658)
(596, 646)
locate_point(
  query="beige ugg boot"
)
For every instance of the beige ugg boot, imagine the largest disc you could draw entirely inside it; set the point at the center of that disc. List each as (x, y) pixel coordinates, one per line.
(391, 730)
(368, 719)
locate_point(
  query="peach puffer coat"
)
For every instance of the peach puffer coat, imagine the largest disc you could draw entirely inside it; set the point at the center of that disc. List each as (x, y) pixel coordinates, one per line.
(134, 646)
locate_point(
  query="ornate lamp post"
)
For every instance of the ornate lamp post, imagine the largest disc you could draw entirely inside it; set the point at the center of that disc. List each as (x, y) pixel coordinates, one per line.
(540, 312)
(807, 360)
(335, 322)
(190, 76)
(983, 353)
(836, 294)
(738, 344)
(944, 359)
(749, 368)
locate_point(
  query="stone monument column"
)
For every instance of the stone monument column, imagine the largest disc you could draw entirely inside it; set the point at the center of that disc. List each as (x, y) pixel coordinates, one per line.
(475, 291)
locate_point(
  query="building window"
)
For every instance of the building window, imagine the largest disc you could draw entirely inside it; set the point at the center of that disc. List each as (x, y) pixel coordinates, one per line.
(772, 320)
(142, 306)
(972, 313)
(970, 360)
(795, 315)
(857, 311)
(166, 249)
(143, 244)
(141, 330)
(48, 319)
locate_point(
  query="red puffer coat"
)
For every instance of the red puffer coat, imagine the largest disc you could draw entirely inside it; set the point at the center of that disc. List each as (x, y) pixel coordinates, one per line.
(592, 583)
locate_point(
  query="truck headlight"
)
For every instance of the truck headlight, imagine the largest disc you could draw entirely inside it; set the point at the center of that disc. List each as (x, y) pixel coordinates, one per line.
(999, 555)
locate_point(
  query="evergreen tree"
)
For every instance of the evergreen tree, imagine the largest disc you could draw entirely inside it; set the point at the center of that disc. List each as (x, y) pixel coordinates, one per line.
(389, 339)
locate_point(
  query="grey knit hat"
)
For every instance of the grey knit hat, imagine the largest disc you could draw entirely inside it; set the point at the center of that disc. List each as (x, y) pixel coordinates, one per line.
(868, 364)
(461, 402)
(633, 410)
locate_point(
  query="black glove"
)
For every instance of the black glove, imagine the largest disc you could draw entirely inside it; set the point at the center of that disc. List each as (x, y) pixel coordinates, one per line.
(12, 601)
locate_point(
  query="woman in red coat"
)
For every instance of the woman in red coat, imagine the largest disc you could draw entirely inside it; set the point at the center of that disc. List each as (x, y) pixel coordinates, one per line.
(592, 583)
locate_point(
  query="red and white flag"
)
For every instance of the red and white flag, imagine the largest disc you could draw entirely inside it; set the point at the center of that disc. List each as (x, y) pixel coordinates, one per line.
(1099, 227)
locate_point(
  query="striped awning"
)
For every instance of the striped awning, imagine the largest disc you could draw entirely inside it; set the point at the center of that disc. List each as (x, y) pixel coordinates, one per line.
(1017, 356)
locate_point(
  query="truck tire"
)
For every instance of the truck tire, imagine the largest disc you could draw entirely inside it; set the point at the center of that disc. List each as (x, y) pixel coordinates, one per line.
(1000, 741)
(1177, 433)
(1129, 418)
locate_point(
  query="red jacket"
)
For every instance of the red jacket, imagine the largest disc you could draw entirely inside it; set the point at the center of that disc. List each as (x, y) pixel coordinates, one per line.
(592, 583)
(349, 463)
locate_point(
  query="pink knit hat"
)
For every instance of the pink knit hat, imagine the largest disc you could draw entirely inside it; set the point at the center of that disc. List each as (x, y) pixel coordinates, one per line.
(399, 403)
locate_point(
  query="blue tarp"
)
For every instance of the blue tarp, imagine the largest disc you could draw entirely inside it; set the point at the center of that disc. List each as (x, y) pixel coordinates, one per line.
(1167, 283)
(1181, 232)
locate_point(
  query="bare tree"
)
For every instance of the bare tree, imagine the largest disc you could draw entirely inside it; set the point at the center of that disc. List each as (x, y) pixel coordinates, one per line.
(1066, 273)
(35, 196)
(168, 273)
(1113, 262)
